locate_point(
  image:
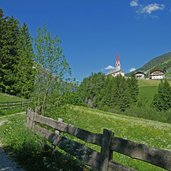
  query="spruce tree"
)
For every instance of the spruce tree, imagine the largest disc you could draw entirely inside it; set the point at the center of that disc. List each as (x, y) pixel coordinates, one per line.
(121, 96)
(24, 81)
(9, 31)
(133, 88)
(162, 100)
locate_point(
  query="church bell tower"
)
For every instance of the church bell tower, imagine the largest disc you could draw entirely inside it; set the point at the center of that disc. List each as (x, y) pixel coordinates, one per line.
(118, 64)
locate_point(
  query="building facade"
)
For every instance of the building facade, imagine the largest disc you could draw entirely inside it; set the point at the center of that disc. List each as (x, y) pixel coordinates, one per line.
(157, 75)
(140, 75)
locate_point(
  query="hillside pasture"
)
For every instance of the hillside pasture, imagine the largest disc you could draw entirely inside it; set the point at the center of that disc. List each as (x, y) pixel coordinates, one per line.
(152, 133)
(9, 98)
(5, 98)
(147, 90)
(14, 134)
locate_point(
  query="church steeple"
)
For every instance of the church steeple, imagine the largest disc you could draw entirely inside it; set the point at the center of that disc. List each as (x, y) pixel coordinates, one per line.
(118, 64)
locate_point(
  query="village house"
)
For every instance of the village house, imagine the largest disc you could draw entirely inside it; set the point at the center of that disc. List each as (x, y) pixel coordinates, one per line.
(117, 70)
(139, 75)
(157, 75)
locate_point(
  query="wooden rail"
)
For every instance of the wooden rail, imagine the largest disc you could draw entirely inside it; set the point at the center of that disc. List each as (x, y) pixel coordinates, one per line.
(101, 161)
(11, 105)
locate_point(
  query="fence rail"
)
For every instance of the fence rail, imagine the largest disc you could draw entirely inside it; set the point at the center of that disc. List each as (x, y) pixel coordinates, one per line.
(107, 141)
(11, 105)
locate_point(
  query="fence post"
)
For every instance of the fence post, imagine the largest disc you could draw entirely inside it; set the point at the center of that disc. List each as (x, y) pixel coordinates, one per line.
(30, 118)
(106, 153)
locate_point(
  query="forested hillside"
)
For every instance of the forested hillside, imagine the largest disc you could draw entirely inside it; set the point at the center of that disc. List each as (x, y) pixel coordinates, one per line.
(162, 62)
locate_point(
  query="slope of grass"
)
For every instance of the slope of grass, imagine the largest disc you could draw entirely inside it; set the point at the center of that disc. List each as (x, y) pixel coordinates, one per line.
(27, 147)
(147, 90)
(148, 83)
(152, 133)
(9, 98)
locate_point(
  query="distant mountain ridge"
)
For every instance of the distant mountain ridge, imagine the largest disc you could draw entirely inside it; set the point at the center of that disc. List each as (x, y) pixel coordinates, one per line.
(162, 62)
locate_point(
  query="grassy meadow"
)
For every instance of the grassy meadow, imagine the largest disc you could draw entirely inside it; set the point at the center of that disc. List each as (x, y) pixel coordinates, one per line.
(15, 136)
(9, 98)
(152, 133)
(27, 147)
(147, 90)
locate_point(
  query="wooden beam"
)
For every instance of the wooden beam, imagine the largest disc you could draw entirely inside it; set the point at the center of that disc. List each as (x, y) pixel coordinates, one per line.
(113, 166)
(83, 153)
(161, 158)
(70, 129)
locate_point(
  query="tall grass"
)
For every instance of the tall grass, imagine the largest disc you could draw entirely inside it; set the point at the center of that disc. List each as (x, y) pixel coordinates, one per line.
(152, 133)
(28, 149)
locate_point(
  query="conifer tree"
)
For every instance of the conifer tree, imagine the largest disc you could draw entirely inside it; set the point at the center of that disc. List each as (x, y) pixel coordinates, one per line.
(133, 88)
(9, 31)
(24, 81)
(162, 100)
(121, 96)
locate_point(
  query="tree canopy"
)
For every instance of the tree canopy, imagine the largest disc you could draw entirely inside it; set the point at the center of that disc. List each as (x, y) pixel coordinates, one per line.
(16, 57)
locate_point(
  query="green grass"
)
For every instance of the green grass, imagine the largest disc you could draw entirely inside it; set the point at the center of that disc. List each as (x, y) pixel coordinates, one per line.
(152, 133)
(146, 94)
(147, 90)
(9, 98)
(26, 147)
(147, 83)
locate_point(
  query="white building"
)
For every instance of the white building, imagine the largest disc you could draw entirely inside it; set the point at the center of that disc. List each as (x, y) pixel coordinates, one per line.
(117, 71)
(140, 75)
(157, 75)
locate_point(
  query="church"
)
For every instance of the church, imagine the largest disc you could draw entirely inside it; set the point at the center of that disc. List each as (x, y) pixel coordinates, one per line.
(117, 70)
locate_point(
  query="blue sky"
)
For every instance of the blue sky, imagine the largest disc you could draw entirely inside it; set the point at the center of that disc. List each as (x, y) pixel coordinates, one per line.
(93, 32)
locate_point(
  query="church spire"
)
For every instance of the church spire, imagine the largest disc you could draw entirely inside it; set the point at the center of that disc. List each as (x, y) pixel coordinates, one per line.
(118, 64)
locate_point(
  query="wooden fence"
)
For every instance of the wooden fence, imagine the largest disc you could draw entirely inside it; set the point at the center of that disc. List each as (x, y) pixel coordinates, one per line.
(11, 105)
(101, 161)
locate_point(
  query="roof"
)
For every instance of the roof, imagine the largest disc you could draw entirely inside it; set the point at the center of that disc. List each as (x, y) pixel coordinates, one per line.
(139, 72)
(157, 70)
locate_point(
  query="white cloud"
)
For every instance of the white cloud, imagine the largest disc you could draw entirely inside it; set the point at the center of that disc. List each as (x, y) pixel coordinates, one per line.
(132, 69)
(109, 67)
(134, 3)
(148, 9)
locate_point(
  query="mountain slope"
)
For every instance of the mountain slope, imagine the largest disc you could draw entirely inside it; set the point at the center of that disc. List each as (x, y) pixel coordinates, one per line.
(162, 62)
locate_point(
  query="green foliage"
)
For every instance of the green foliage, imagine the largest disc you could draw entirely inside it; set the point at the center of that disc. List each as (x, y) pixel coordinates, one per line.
(51, 68)
(9, 31)
(162, 100)
(121, 95)
(16, 58)
(91, 87)
(24, 81)
(106, 92)
(133, 88)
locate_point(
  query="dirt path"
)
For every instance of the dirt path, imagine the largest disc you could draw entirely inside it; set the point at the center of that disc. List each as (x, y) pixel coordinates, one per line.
(6, 162)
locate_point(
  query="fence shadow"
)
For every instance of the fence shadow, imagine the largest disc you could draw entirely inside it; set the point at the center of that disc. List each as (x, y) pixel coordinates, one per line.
(37, 158)
(7, 163)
